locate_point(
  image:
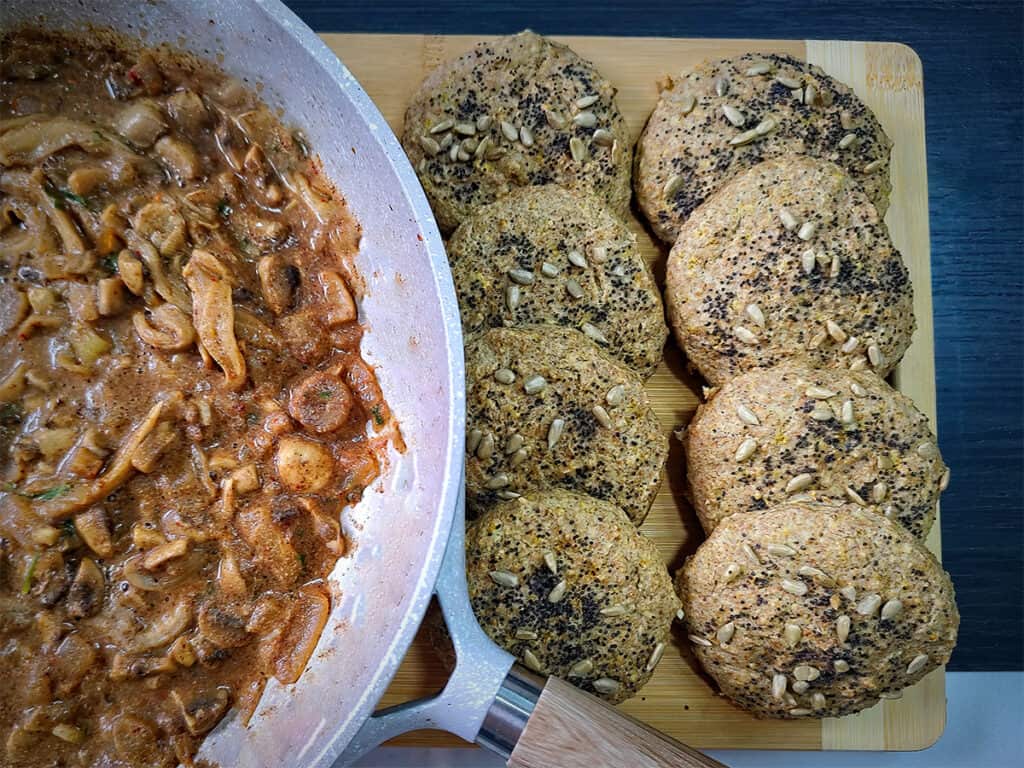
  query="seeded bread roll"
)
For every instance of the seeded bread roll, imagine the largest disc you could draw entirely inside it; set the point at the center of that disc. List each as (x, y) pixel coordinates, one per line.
(551, 255)
(523, 111)
(788, 260)
(567, 584)
(723, 117)
(545, 408)
(808, 610)
(793, 431)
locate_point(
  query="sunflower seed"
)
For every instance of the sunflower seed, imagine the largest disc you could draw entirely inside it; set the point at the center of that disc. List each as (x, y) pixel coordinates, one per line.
(673, 185)
(602, 416)
(508, 495)
(508, 130)
(485, 449)
(807, 261)
(765, 127)
(779, 683)
(780, 550)
(858, 390)
(531, 661)
(758, 69)
(447, 141)
(917, 664)
(806, 673)
(801, 686)
(846, 414)
(835, 331)
(614, 610)
(722, 86)
(843, 628)
(603, 138)
(878, 492)
(725, 632)
(746, 449)
(849, 593)
(855, 497)
(430, 146)
(744, 138)
(484, 122)
(585, 119)
(444, 125)
(733, 115)
(593, 332)
(573, 288)
(514, 444)
(698, 640)
(548, 269)
(860, 364)
(792, 634)
(680, 614)
(504, 578)
(873, 166)
(788, 82)
(577, 149)
(746, 415)
(848, 141)
(815, 573)
(473, 440)
(504, 376)
(850, 345)
(526, 136)
(577, 259)
(521, 276)
(810, 94)
(498, 481)
(892, 609)
(512, 297)
(821, 413)
(794, 587)
(525, 634)
(655, 657)
(819, 393)
(944, 480)
(421, 166)
(751, 554)
(555, 432)
(789, 221)
(731, 572)
(891, 695)
(745, 335)
(581, 668)
(835, 266)
(927, 450)
(482, 147)
(818, 700)
(555, 119)
(469, 146)
(558, 592)
(466, 129)
(799, 482)
(453, 153)
(841, 666)
(518, 457)
(616, 395)
(606, 685)
(799, 712)
(869, 605)
(534, 384)
(807, 230)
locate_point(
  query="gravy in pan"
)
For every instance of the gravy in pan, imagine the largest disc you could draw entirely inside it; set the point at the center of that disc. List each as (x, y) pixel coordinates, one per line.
(184, 411)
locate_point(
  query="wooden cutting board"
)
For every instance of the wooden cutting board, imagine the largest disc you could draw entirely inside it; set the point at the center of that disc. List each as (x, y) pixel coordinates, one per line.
(886, 76)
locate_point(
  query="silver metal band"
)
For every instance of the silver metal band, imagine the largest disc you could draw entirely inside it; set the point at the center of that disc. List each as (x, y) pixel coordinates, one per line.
(512, 706)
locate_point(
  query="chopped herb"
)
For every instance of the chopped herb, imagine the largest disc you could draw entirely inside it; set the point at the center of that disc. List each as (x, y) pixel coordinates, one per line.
(60, 195)
(26, 583)
(325, 394)
(52, 493)
(378, 417)
(224, 208)
(302, 560)
(109, 263)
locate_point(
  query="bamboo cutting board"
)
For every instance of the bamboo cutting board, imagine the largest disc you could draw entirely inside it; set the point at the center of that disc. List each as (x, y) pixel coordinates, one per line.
(888, 78)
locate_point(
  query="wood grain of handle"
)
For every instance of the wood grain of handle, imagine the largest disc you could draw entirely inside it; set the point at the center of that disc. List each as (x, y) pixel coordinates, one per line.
(572, 729)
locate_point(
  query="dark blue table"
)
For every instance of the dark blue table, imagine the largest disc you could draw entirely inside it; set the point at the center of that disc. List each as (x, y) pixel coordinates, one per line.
(974, 109)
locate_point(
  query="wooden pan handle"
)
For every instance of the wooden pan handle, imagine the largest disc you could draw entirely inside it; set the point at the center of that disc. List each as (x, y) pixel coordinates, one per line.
(572, 729)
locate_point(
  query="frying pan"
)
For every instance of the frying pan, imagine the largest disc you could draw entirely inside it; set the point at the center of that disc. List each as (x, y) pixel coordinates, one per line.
(409, 528)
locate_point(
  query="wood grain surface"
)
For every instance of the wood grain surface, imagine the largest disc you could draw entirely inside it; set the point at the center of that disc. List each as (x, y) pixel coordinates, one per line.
(678, 700)
(972, 55)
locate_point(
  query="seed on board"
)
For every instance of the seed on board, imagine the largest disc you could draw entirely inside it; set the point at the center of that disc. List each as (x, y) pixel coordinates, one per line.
(765, 127)
(577, 259)
(731, 572)
(722, 86)
(841, 666)
(616, 395)
(555, 119)
(746, 449)
(602, 416)
(843, 628)
(548, 269)
(801, 686)
(821, 413)
(733, 115)
(849, 593)
(818, 700)
(512, 297)
(526, 136)
(873, 166)
(504, 578)
(573, 288)
(500, 480)
(944, 480)
(848, 141)
(799, 483)
(698, 640)
(558, 592)
(521, 276)
(504, 376)
(751, 554)
(892, 609)
(655, 657)
(850, 345)
(807, 261)
(846, 414)
(484, 122)
(744, 138)
(807, 230)
(581, 668)
(855, 497)
(534, 384)
(430, 146)
(780, 550)
(485, 449)
(577, 149)
(585, 119)
(835, 331)
(869, 605)
(525, 634)
(531, 660)
(603, 137)
(466, 129)
(725, 632)
(806, 673)
(444, 125)
(779, 683)
(508, 130)
(473, 440)
(755, 314)
(555, 432)
(606, 685)
(508, 495)
(788, 82)
(518, 457)
(878, 492)
(745, 335)
(746, 415)
(917, 664)
(794, 586)
(673, 185)
(927, 450)
(758, 69)
(591, 331)
(615, 610)
(792, 634)
(514, 444)
(819, 393)
(788, 219)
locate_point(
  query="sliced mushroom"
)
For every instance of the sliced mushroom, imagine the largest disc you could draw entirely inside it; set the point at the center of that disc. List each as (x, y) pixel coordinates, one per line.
(162, 225)
(339, 306)
(223, 625)
(167, 328)
(304, 336)
(110, 298)
(270, 613)
(278, 281)
(363, 383)
(85, 597)
(147, 456)
(299, 641)
(303, 465)
(180, 157)
(201, 710)
(162, 553)
(165, 628)
(321, 402)
(94, 528)
(170, 574)
(141, 122)
(50, 577)
(188, 110)
(214, 315)
(230, 580)
(73, 660)
(129, 268)
(275, 556)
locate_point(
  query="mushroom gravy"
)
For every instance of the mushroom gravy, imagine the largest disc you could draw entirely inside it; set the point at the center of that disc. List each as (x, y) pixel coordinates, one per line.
(184, 412)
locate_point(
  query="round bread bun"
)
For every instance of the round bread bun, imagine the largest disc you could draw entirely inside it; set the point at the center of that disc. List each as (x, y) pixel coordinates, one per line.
(551, 255)
(789, 259)
(685, 153)
(809, 610)
(547, 116)
(566, 583)
(793, 431)
(568, 417)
